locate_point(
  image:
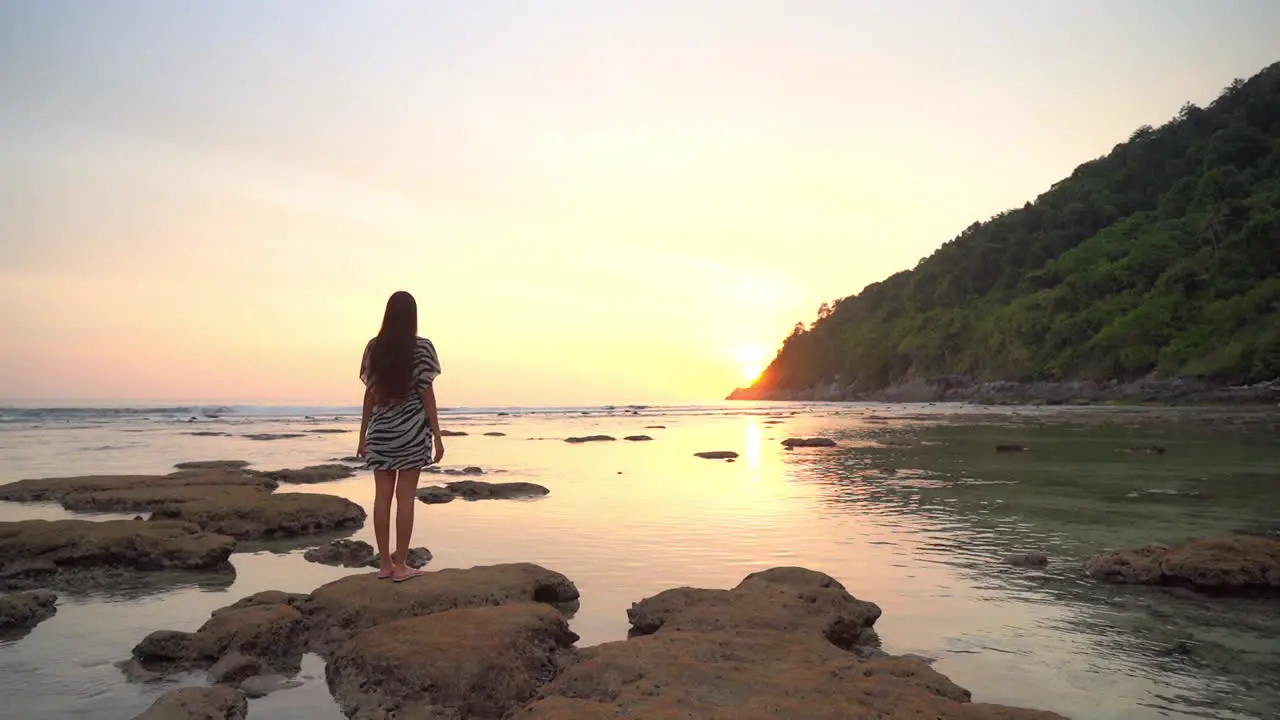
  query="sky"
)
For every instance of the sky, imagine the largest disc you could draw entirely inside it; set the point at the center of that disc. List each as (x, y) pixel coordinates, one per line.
(593, 201)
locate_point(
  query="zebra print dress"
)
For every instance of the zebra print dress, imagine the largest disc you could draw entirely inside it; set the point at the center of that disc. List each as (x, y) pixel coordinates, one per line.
(399, 437)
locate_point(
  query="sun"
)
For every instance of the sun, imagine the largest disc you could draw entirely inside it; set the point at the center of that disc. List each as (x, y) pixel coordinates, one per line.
(752, 360)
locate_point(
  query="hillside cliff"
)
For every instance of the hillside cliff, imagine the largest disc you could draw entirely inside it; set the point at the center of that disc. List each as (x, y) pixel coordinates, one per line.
(1157, 265)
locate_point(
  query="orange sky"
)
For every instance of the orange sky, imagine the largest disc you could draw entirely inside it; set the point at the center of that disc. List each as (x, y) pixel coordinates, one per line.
(631, 203)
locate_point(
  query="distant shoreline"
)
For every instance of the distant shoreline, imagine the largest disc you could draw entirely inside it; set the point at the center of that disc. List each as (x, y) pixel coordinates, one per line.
(1172, 391)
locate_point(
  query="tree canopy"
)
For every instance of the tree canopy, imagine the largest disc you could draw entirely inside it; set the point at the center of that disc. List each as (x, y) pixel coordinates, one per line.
(1161, 257)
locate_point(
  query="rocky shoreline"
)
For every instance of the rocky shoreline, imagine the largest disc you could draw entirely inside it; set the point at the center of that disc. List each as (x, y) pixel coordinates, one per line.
(959, 388)
(196, 517)
(493, 642)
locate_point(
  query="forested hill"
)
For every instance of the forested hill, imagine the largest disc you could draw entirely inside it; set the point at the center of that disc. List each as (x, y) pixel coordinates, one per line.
(1163, 257)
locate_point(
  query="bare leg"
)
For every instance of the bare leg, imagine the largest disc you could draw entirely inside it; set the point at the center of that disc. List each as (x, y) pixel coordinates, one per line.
(384, 486)
(406, 489)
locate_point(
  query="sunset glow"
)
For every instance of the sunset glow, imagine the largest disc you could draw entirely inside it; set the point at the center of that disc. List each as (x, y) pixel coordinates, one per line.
(593, 203)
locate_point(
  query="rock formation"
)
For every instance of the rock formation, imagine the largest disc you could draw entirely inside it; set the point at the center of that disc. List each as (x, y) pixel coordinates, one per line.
(1240, 565)
(81, 553)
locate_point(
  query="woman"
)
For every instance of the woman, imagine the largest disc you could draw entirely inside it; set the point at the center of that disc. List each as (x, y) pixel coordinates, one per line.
(400, 426)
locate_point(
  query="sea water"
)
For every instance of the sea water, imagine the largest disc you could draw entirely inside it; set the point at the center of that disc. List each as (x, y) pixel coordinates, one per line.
(914, 510)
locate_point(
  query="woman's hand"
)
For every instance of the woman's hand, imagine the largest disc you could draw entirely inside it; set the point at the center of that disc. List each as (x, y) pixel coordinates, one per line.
(361, 451)
(439, 449)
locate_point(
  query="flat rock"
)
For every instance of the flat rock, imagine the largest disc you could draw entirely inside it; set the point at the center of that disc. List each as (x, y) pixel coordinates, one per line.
(785, 643)
(269, 635)
(590, 438)
(452, 433)
(717, 454)
(20, 612)
(348, 605)
(267, 515)
(655, 427)
(495, 433)
(312, 474)
(240, 504)
(212, 465)
(343, 552)
(637, 438)
(198, 703)
(1237, 565)
(472, 470)
(126, 493)
(208, 433)
(808, 442)
(468, 663)
(72, 553)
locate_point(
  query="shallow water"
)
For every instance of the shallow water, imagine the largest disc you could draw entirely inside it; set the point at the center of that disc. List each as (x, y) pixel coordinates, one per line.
(914, 511)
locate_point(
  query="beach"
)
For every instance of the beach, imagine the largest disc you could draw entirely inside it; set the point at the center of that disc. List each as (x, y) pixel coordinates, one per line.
(913, 509)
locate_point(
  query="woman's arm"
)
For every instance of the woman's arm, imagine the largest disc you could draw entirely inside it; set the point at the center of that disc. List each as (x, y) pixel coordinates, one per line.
(433, 420)
(365, 412)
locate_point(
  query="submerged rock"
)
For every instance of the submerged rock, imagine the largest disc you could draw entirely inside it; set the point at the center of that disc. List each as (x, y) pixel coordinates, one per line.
(495, 433)
(809, 442)
(198, 703)
(1145, 450)
(1027, 559)
(415, 558)
(212, 465)
(1239, 565)
(637, 438)
(76, 553)
(785, 643)
(655, 427)
(312, 474)
(429, 666)
(272, 436)
(478, 490)
(717, 454)
(1010, 448)
(263, 685)
(20, 612)
(343, 552)
(452, 433)
(590, 438)
(435, 495)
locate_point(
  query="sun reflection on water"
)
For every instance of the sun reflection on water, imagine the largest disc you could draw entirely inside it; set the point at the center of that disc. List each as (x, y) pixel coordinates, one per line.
(752, 446)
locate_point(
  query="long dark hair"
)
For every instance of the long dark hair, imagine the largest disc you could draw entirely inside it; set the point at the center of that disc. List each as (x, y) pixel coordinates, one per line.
(391, 358)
